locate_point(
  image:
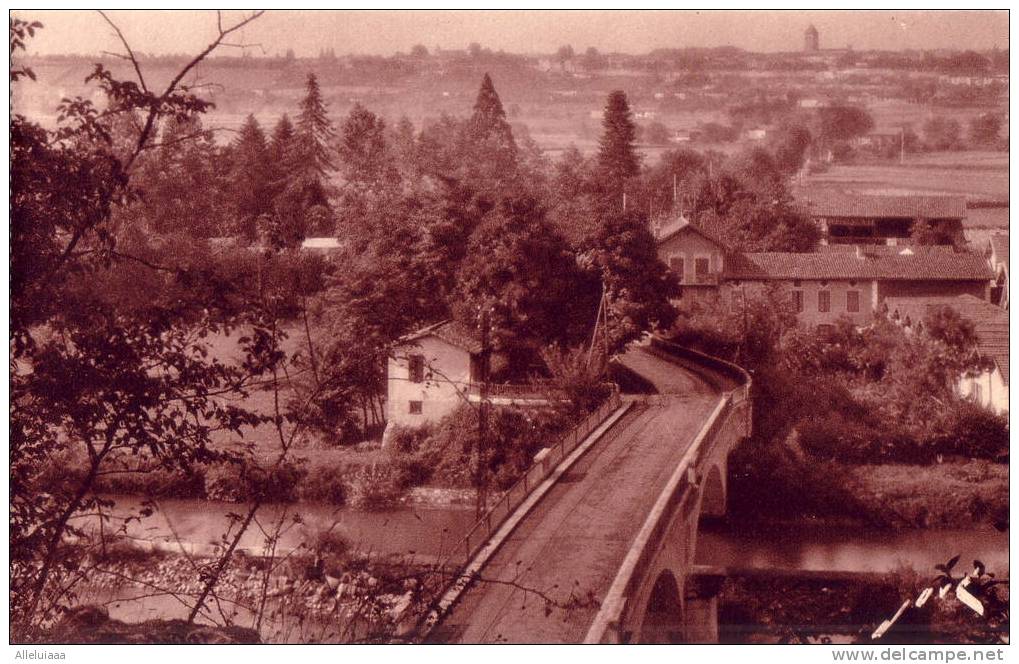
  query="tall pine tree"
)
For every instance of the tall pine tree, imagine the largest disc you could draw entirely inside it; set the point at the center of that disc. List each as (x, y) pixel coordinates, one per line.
(282, 149)
(315, 131)
(250, 193)
(617, 159)
(489, 151)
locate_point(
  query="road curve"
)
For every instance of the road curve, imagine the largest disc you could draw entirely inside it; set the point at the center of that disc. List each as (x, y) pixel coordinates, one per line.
(574, 540)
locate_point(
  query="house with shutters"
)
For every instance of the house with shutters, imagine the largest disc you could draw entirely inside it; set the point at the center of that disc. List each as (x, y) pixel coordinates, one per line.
(693, 254)
(430, 373)
(990, 387)
(435, 370)
(823, 286)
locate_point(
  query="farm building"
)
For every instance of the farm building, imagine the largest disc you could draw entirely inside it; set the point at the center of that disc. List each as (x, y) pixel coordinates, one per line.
(846, 218)
(990, 388)
(835, 282)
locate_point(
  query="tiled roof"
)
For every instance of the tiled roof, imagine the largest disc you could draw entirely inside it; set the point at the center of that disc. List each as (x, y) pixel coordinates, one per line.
(999, 245)
(906, 264)
(674, 227)
(827, 203)
(452, 333)
(989, 321)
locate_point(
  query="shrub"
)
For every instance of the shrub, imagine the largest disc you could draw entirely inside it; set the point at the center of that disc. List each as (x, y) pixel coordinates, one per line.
(408, 440)
(971, 430)
(411, 471)
(234, 482)
(325, 483)
(375, 487)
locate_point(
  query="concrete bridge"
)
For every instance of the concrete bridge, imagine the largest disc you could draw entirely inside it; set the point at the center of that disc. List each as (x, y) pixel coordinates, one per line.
(606, 554)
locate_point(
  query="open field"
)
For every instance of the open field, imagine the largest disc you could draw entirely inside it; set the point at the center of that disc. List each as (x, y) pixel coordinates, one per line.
(894, 113)
(976, 175)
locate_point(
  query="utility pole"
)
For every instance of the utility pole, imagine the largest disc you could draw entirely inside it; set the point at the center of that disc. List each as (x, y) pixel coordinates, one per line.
(902, 145)
(480, 472)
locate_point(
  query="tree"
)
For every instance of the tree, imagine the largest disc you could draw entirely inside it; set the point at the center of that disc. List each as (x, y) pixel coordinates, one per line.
(572, 207)
(925, 232)
(522, 272)
(250, 188)
(790, 144)
(489, 132)
(942, 133)
(121, 379)
(841, 124)
(419, 51)
(282, 149)
(184, 178)
(984, 129)
(623, 256)
(365, 158)
(565, 53)
(617, 158)
(315, 131)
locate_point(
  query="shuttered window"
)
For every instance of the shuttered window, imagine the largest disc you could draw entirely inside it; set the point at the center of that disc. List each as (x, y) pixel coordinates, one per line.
(824, 301)
(853, 301)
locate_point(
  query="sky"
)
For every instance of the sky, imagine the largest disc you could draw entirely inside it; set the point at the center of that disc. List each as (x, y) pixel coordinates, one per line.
(385, 32)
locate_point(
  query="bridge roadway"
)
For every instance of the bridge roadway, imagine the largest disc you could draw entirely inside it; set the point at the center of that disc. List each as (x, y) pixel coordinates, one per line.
(574, 540)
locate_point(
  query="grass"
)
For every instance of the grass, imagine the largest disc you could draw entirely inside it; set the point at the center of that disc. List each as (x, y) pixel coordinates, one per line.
(953, 494)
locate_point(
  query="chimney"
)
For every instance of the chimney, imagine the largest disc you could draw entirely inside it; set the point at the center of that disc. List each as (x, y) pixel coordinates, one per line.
(859, 252)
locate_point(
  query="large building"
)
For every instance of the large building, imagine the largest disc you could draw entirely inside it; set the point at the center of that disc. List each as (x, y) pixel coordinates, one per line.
(823, 286)
(811, 40)
(847, 218)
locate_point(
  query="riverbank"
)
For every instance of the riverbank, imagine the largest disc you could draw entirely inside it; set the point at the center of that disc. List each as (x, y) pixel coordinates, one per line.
(312, 596)
(781, 484)
(816, 610)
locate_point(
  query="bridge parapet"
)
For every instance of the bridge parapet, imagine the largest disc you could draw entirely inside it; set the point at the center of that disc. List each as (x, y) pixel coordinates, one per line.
(669, 531)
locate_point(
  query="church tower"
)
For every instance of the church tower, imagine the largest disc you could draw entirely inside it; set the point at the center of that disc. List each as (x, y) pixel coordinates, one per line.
(811, 40)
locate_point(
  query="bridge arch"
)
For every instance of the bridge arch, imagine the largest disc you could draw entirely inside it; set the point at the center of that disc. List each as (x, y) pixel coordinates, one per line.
(663, 617)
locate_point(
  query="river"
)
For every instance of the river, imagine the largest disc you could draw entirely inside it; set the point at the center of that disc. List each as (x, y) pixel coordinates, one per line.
(426, 533)
(423, 533)
(810, 547)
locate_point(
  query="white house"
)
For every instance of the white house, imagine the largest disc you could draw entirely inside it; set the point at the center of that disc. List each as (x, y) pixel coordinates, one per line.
(997, 256)
(989, 388)
(430, 373)
(440, 367)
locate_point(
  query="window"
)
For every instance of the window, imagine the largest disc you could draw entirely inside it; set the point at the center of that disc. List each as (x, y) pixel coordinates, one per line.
(416, 368)
(798, 300)
(853, 301)
(737, 302)
(701, 267)
(824, 301)
(415, 407)
(976, 393)
(676, 265)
